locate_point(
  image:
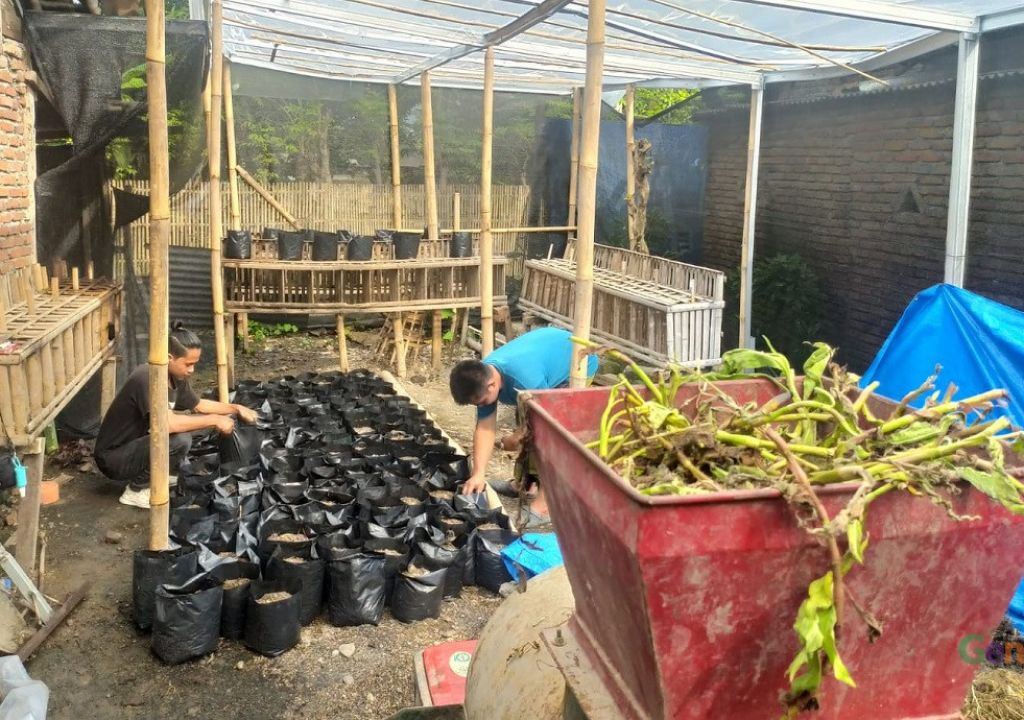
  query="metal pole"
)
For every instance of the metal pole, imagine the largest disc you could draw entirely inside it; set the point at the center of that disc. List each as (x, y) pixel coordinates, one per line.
(750, 212)
(588, 188)
(965, 105)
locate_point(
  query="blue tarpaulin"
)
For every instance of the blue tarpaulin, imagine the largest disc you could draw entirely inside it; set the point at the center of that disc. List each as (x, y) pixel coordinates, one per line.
(978, 342)
(534, 553)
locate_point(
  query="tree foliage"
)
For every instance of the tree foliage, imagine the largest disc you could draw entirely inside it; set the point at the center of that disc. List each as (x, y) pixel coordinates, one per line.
(648, 102)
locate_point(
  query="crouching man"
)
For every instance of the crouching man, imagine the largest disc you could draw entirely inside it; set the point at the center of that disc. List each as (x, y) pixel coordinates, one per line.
(122, 446)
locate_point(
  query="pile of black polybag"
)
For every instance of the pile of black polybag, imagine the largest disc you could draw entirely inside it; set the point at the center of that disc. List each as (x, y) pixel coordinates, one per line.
(342, 496)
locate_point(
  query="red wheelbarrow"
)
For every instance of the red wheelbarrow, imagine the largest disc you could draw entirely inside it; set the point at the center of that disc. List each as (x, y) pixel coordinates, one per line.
(685, 605)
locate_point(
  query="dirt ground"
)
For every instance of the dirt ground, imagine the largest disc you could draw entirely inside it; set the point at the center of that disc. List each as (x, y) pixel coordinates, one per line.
(99, 666)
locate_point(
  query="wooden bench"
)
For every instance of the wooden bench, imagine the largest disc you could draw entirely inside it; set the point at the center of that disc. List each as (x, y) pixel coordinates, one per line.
(650, 320)
(54, 336)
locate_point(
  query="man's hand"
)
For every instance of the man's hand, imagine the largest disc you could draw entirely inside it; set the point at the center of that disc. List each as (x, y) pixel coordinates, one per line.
(225, 424)
(475, 484)
(246, 415)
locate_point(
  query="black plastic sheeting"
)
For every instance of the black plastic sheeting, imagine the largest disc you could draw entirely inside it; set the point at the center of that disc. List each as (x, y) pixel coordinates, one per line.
(677, 183)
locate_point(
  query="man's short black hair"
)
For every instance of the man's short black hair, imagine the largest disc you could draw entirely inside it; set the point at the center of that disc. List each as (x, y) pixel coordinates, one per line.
(181, 340)
(468, 381)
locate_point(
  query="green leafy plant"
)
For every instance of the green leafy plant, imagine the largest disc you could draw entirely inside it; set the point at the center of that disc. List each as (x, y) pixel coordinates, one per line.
(820, 430)
(786, 303)
(260, 332)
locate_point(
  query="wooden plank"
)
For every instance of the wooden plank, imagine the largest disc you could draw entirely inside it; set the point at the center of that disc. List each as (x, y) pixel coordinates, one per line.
(7, 402)
(27, 534)
(40, 635)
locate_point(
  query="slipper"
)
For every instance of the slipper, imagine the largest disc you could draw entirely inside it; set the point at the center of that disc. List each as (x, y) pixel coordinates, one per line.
(505, 487)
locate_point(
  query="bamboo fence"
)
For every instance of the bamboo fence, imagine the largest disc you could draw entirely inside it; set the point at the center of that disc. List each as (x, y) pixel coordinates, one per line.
(359, 208)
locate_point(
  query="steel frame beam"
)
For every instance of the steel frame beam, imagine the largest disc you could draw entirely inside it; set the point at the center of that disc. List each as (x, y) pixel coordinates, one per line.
(880, 11)
(964, 108)
(750, 213)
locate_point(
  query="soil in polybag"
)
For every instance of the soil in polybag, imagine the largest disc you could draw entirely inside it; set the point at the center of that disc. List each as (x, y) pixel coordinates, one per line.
(272, 616)
(461, 245)
(152, 568)
(308, 570)
(359, 247)
(356, 587)
(186, 619)
(325, 246)
(489, 569)
(242, 445)
(444, 557)
(407, 245)
(418, 594)
(289, 245)
(236, 577)
(238, 245)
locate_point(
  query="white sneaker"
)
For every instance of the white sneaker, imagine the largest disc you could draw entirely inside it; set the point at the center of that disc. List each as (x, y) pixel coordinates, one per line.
(135, 498)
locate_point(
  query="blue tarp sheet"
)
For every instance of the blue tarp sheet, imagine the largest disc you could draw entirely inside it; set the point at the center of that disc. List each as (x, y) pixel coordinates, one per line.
(534, 553)
(978, 342)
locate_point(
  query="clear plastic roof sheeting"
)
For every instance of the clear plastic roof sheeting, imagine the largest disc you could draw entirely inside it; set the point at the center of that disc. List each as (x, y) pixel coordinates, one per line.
(541, 46)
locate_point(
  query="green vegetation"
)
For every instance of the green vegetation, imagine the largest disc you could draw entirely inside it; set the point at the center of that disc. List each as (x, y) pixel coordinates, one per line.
(260, 332)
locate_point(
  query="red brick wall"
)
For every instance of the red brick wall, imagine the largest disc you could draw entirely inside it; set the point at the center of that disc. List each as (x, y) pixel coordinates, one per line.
(17, 159)
(834, 174)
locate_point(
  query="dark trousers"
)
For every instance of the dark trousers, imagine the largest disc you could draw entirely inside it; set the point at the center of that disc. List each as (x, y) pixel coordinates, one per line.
(130, 462)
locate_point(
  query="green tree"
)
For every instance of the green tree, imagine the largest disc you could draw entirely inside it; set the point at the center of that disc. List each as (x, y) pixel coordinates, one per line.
(648, 102)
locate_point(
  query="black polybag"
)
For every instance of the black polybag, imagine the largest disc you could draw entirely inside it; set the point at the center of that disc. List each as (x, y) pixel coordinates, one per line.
(359, 247)
(325, 246)
(440, 557)
(407, 245)
(461, 245)
(273, 628)
(310, 574)
(418, 598)
(238, 245)
(489, 569)
(271, 233)
(242, 445)
(152, 568)
(356, 587)
(186, 619)
(289, 245)
(236, 599)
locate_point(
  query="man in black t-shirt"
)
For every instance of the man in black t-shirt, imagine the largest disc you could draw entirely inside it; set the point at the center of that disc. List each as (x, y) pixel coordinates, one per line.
(122, 446)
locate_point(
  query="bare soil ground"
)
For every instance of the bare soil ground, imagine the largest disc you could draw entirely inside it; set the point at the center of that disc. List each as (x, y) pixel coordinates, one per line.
(97, 665)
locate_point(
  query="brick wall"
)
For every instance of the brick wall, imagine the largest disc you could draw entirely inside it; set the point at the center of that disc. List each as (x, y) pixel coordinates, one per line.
(859, 185)
(17, 159)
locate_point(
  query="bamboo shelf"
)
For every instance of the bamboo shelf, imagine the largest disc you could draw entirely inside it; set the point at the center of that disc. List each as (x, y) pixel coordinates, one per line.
(700, 281)
(345, 286)
(50, 348)
(382, 249)
(649, 320)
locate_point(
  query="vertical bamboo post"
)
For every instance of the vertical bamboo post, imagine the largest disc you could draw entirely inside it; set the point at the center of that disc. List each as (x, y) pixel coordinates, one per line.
(216, 219)
(456, 212)
(630, 166)
(342, 345)
(398, 326)
(486, 239)
(435, 341)
(396, 159)
(3, 318)
(574, 163)
(429, 185)
(159, 234)
(591, 121)
(54, 287)
(74, 279)
(229, 126)
(243, 330)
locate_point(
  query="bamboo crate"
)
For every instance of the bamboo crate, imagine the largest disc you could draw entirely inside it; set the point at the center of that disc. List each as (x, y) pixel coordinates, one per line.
(650, 321)
(53, 351)
(345, 286)
(700, 281)
(382, 249)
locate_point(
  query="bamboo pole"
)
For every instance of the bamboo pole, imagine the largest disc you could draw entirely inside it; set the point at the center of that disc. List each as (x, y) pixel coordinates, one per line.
(574, 163)
(486, 238)
(266, 195)
(456, 212)
(435, 341)
(591, 122)
(396, 159)
(229, 126)
(159, 234)
(429, 185)
(216, 219)
(398, 328)
(74, 279)
(342, 345)
(630, 166)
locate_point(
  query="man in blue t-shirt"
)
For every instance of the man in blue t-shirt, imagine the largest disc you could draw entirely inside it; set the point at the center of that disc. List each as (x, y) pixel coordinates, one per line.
(537, 360)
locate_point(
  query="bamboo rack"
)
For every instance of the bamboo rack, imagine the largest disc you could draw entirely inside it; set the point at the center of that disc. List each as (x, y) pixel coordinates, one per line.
(352, 287)
(651, 321)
